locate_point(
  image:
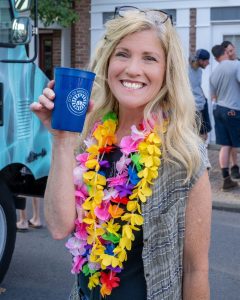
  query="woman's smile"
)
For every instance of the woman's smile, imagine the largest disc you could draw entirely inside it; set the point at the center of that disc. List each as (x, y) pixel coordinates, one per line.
(132, 85)
(136, 70)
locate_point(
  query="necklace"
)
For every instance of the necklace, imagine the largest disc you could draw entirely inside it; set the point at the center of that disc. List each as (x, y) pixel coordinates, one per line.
(100, 243)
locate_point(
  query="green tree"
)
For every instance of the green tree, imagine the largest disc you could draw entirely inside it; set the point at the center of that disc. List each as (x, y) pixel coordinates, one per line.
(57, 11)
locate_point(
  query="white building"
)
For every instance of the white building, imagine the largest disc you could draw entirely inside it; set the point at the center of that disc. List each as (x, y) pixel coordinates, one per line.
(200, 23)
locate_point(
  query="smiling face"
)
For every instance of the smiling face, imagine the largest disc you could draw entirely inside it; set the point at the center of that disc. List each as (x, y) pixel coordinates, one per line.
(231, 52)
(203, 63)
(136, 70)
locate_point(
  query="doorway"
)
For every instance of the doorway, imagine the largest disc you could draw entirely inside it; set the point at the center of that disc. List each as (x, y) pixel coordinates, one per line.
(46, 54)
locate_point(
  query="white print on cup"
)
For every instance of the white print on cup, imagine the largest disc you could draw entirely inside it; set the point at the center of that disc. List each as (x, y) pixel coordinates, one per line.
(77, 101)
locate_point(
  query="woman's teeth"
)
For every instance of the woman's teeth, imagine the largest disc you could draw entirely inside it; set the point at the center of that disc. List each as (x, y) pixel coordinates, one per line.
(132, 85)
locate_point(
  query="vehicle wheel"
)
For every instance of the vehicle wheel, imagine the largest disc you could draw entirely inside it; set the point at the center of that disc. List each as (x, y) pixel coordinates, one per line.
(7, 228)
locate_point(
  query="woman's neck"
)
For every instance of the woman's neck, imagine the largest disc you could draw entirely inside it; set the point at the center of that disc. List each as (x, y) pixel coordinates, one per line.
(125, 122)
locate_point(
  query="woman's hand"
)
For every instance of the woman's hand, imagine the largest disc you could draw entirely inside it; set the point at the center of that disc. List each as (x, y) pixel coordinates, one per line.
(43, 108)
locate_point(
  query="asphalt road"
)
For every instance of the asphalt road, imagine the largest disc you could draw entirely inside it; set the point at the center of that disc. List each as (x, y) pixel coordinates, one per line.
(40, 268)
(225, 256)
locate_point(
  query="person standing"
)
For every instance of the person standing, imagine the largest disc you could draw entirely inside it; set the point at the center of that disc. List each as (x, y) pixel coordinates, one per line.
(198, 62)
(35, 222)
(225, 91)
(137, 196)
(232, 55)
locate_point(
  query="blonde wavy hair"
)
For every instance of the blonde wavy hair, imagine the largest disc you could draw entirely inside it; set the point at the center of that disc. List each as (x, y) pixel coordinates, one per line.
(174, 100)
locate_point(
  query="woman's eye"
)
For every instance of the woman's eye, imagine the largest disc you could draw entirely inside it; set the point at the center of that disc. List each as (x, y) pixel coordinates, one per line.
(150, 58)
(121, 54)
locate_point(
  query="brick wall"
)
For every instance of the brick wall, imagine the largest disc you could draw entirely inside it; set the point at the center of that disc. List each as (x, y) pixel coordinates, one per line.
(80, 52)
(192, 31)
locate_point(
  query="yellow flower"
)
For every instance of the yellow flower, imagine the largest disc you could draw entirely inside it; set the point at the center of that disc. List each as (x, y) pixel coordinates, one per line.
(105, 291)
(147, 174)
(93, 280)
(92, 164)
(127, 232)
(135, 219)
(94, 233)
(93, 201)
(125, 243)
(133, 206)
(93, 150)
(92, 178)
(121, 253)
(109, 260)
(154, 138)
(96, 252)
(90, 218)
(112, 227)
(150, 161)
(141, 193)
(105, 133)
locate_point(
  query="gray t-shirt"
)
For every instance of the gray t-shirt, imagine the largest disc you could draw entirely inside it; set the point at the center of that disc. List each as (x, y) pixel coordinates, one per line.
(195, 78)
(225, 84)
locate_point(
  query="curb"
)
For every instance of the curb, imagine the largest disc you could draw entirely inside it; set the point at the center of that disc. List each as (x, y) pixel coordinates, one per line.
(231, 207)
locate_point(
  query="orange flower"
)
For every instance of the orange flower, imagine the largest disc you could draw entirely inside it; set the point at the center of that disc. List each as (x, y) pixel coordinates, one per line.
(115, 211)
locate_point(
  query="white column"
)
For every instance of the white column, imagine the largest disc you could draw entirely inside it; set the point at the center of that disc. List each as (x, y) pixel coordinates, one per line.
(182, 26)
(66, 47)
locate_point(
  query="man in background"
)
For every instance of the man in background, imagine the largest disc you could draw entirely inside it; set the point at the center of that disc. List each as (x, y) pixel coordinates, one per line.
(232, 55)
(230, 50)
(225, 91)
(197, 62)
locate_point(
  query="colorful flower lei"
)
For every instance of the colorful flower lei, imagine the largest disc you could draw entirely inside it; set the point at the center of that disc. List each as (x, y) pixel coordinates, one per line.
(99, 245)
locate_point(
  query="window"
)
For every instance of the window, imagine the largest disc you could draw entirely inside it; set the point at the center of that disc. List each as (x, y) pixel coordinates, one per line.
(225, 13)
(6, 16)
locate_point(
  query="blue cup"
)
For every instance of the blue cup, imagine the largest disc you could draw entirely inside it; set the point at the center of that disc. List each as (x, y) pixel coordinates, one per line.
(72, 93)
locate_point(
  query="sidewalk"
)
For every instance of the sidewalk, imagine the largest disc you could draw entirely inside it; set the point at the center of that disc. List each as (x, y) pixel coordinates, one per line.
(221, 200)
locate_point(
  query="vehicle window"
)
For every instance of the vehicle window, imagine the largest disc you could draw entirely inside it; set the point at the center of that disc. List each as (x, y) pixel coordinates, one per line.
(6, 16)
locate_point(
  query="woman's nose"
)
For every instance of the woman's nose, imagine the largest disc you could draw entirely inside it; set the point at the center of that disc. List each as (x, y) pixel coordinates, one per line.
(134, 67)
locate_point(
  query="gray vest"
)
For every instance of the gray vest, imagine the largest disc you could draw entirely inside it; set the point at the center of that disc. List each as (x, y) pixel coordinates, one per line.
(163, 230)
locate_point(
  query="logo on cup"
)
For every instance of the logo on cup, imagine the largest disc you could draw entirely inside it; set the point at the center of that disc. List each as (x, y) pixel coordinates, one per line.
(77, 101)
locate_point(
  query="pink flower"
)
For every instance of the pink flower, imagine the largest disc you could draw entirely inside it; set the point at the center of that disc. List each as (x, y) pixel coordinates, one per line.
(128, 145)
(122, 164)
(78, 263)
(109, 194)
(82, 158)
(102, 211)
(118, 180)
(81, 230)
(76, 246)
(78, 174)
(138, 135)
(81, 192)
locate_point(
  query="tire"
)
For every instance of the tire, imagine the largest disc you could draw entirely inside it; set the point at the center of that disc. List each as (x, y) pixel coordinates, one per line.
(7, 228)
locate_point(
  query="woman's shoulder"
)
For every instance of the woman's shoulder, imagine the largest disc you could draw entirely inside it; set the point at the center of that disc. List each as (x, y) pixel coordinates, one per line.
(173, 170)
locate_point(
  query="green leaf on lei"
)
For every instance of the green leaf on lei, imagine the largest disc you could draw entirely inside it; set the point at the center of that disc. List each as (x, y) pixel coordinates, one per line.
(86, 270)
(135, 159)
(111, 237)
(110, 115)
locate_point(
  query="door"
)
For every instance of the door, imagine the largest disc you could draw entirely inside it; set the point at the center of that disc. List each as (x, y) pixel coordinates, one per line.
(46, 54)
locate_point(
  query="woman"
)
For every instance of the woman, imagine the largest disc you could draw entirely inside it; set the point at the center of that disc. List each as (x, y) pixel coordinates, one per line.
(143, 203)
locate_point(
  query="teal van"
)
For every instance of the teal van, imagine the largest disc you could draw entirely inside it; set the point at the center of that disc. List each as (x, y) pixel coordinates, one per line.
(25, 145)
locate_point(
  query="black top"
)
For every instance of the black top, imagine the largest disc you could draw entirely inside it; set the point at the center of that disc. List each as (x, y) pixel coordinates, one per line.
(132, 281)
